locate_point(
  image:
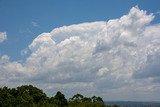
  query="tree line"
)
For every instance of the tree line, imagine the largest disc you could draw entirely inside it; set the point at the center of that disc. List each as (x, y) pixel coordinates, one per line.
(30, 96)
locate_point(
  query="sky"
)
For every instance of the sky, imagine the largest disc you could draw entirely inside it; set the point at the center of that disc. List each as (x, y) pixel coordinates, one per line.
(107, 48)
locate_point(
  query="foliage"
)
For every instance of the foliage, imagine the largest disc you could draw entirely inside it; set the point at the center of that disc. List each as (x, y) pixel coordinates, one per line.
(79, 100)
(30, 96)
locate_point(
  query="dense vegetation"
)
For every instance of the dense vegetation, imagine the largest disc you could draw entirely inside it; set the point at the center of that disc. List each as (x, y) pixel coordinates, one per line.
(30, 96)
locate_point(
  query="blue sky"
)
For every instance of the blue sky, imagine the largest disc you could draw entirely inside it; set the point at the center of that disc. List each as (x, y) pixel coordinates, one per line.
(108, 48)
(19, 16)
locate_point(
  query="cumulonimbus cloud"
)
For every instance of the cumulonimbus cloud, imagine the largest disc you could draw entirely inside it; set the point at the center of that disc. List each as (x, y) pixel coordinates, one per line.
(108, 55)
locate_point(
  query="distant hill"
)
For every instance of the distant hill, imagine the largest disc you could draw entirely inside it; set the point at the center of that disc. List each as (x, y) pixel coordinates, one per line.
(134, 103)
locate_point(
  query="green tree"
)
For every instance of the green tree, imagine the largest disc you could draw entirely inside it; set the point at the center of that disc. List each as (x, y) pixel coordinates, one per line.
(30, 96)
(6, 99)
(60, 100)
(77, 97)
(97, 99)
(86, 99)
(28, 90)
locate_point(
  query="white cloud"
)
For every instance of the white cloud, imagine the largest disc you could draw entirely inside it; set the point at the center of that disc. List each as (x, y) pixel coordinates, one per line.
(158, 12)
(107, 56)
(102, 72)
(34, 24)
(25, 51)
(3, 36)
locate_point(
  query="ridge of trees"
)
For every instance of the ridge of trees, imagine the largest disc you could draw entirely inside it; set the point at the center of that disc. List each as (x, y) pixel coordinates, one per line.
(30, 96)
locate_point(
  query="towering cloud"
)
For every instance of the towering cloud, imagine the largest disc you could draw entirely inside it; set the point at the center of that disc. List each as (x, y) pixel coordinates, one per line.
(118, 56)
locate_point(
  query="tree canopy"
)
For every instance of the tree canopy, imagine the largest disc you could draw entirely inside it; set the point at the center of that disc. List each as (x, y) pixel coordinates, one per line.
(30, 96)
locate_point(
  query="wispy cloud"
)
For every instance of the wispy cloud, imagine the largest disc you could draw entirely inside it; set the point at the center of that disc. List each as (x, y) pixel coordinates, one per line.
(24, 51)
(27, 31)
(34, 24)
(158, 12)
(3, 36)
